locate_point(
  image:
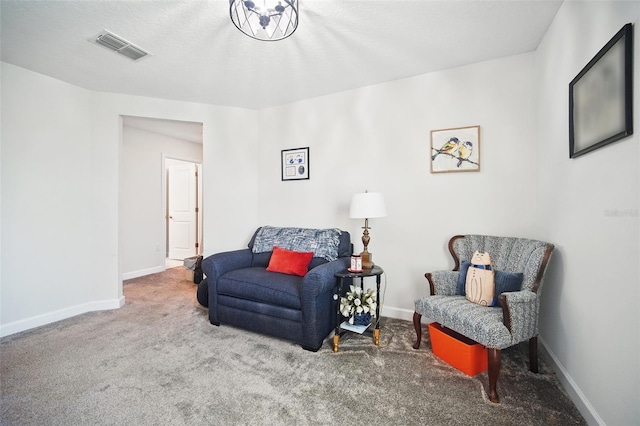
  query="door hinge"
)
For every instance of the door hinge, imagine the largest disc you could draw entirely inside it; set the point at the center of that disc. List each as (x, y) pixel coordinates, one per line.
(197, 245)
(197, 209)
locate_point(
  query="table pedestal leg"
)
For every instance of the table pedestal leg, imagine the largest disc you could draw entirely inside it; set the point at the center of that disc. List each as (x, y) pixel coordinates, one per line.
(336, 342)
(376, 331)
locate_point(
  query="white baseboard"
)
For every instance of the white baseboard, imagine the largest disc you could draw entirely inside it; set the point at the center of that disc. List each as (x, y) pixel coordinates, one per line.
(403, 314)
(397, 313)
(143, 272)
(50, 317)
(575, 393)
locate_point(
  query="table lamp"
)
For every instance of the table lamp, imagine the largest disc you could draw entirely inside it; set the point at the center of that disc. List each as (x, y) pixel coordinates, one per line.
(365, 206)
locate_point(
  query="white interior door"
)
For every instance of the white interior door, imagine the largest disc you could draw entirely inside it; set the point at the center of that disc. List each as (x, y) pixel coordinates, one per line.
(182, 203)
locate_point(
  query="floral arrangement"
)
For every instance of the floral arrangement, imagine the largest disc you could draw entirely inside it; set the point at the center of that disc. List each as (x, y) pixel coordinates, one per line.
(358, 302)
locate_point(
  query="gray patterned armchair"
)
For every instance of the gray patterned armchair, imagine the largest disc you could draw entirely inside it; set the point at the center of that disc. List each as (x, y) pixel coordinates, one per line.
(515, 320)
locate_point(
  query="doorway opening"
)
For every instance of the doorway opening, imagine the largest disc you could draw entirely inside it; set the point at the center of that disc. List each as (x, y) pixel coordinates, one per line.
(183, 210)
(146, 145)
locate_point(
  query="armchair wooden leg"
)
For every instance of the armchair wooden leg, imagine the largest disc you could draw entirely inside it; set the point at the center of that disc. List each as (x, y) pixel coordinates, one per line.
(494, 368)
(533, 354)
(417, 318)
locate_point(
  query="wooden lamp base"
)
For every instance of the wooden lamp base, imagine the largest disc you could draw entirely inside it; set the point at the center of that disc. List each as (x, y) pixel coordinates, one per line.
(367, 262)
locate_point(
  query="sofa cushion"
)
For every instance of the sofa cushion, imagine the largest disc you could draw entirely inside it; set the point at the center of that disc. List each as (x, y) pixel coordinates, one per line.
(236, 310)
(344, 248)
(258, 284)
(317, 261)
(505, 282)
(482, 324)
(261, 259)
(462, 278)
(289, 262)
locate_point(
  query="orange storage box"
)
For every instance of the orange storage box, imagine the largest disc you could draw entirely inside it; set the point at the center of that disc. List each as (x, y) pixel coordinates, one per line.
(457, 350)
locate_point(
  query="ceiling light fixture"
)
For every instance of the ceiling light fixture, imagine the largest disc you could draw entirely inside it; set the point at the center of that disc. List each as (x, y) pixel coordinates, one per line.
(267, 20)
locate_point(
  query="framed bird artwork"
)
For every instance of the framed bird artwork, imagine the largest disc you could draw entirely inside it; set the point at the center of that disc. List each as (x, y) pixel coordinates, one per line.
(455, 150)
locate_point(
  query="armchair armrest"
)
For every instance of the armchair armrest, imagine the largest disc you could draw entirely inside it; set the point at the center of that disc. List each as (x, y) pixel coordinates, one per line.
(443, 282)
(218, 264)
(321, 278)
(215, 266)
(318, 306)
(520, 314)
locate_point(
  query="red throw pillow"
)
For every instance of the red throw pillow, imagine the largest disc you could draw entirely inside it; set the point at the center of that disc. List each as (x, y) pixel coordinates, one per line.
(289, 262)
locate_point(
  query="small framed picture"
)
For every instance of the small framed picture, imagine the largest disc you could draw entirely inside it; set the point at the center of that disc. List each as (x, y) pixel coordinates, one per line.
(600, 98)
(455, 150)
(295, 164)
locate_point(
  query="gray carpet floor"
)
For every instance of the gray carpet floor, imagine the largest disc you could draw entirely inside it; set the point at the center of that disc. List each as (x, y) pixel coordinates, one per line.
(158, 361)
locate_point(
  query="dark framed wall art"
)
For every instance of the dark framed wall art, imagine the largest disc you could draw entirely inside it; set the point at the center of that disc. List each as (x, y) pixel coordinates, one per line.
(295, 164)
(601, 97)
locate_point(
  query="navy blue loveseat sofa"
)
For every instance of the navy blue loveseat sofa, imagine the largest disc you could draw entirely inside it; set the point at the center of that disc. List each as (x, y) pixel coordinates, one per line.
(301, 309)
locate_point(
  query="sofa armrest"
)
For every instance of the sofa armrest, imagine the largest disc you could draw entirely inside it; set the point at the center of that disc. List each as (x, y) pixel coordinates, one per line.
(442, 282)
(319, 309)
(322, 278)
(215, 266)
(218, 264)
(520, 314)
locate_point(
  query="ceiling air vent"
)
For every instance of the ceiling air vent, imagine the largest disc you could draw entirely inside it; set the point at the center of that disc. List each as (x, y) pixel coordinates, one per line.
(120, 45)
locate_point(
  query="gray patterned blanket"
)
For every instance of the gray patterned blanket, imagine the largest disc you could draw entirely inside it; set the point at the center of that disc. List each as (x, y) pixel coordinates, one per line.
(322, 242)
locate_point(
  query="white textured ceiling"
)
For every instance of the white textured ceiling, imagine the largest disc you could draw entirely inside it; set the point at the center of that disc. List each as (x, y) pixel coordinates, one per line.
(200, 56)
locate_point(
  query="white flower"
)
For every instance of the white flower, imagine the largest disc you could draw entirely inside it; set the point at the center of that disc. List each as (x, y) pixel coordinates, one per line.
(358, 301)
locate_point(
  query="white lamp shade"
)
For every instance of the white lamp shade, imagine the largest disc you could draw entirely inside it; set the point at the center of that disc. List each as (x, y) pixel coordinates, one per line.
(367, 205)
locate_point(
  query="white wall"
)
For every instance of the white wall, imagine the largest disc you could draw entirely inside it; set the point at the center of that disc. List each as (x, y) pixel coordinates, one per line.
(142, 210)
(46, 217)
(62, 153)
(377, 138)
(590, 321)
